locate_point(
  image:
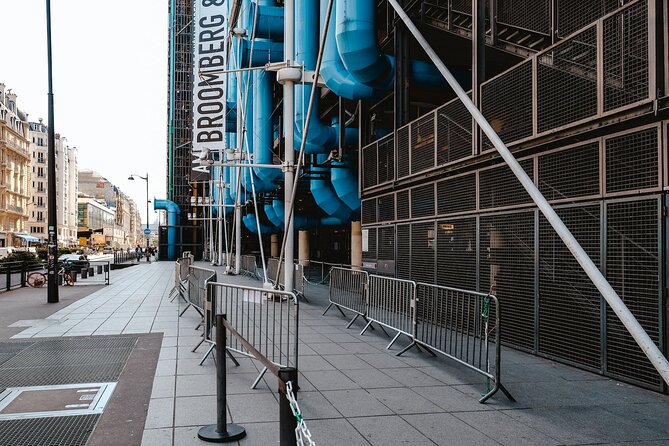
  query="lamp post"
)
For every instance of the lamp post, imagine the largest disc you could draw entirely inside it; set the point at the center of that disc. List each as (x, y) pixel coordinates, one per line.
(52, 224)
(146, 178)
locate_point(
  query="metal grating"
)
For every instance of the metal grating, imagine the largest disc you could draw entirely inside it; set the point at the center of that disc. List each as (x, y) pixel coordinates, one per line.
(573, 15)
(506, 259)
(370, 254)
(423, 240)
(402, 205)
(626, 57)
(386, 207)
(456, 194)
(422, 143)
(454, 132)
(506, 102)
(403, 241)
(633, 269)
(499, 187)
(422, 201)
(53, 431)
(582, 163)
(567, 81)
(456, 253)
(386, 245)
(464, 6)
(386, 159)
(402, 157)
(369, 166)
(368, 212)
(569, 304)
(515, 13)
(632, 161)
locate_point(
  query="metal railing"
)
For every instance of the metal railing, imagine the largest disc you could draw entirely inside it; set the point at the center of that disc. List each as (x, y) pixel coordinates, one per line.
(196, 288)
(249, 266)
(450, 321)
(181, 266)
(124, 256)
(318, 273)
(298, 274)
(265, 324)
(14, 274)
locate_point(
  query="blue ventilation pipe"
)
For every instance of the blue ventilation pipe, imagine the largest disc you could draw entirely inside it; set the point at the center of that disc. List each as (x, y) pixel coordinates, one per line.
(264, 50)
(251, 223)
(345, 183)
(173, 213)
(262, 129)
(359, 51)
(269, 20)
(324, 193)
(276, 213)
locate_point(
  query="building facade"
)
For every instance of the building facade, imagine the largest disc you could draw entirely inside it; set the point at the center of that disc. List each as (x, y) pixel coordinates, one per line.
(66, 186)
(14, 169)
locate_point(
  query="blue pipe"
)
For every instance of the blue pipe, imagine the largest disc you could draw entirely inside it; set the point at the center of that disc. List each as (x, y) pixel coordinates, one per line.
(362, 58)
(173, 213)
(325, 196)
(251, 223)
(262, 129)
(299, 221)
(269, 20)
(345, 183)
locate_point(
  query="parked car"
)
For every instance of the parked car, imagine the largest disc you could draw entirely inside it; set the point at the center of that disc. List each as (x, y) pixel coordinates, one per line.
(108, 250)
(74, 261)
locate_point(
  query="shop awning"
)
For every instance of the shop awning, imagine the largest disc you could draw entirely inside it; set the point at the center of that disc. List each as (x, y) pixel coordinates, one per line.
(28, 238)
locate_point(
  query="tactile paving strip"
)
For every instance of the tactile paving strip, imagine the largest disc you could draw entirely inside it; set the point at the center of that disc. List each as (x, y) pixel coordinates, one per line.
(55, 431)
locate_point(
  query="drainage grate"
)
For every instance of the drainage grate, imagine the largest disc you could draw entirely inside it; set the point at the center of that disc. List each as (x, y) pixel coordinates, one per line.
(56, 431)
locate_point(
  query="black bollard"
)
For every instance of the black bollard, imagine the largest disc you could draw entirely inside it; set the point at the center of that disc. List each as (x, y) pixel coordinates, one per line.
(84, 273)
(287, 421)
(222, 431)
(99, 269)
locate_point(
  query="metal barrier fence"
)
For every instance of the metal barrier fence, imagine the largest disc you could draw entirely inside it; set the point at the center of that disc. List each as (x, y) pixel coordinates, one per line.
(298, 275)
(456, 323)
(249, 265)
(347, 289)
(318, 273)
(266, 319)
(13, 274)
(181, 266)
(124, 256)
(196, 287)
(453, 322)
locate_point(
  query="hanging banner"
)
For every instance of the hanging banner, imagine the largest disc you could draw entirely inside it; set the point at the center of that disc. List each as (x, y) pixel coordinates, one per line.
(209, 96)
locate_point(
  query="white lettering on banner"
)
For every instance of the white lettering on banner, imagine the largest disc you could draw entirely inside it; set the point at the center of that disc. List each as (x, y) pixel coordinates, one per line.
(209, 98)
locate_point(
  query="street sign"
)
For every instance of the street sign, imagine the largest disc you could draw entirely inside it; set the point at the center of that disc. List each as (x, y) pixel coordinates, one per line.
(147, 231)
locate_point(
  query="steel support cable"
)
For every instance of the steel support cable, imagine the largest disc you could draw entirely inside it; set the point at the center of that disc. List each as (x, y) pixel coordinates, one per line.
(632, 325)
(300, 158)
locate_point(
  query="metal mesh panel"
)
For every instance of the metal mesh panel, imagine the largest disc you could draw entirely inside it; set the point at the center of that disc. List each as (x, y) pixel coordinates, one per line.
(422, 201)
(507, 260)
(52, 431)
(386, 206)
(567, 81)
(506, 102)
(402, 204)
(573, 15)
(423, 252)
(403, 237)
(386, 243)
(581, 162)
(632, 268)
(368, 211)
(456, 194)
(454, 132)
(369, 166)
(456, 253)
(402, 152)
(632, 161)
(569, 304)
(370, 254)
(464, 6)
(386, 159)
(422, 143)
(626, 57)
(515, 13)
(499, 187)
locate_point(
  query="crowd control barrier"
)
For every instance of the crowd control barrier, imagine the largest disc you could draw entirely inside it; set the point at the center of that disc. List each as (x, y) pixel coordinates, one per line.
(462, 325)
(181, 266)
(249, 266)
(298, 276)
(267, 319)
(196, 287)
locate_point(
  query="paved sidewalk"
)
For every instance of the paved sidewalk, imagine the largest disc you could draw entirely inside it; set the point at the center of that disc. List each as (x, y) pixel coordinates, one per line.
(354, 391)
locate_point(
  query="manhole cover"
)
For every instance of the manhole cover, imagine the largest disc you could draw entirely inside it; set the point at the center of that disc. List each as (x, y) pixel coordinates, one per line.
(54, 401)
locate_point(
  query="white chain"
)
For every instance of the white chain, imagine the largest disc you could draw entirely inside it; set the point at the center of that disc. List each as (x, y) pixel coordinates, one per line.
(302, 431)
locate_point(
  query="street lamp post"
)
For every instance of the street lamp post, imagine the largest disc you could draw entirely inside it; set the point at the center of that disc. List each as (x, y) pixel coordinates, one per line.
(146, 178)
(52, 255)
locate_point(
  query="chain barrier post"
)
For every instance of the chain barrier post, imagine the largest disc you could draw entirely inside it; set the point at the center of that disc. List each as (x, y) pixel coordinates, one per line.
(288, 422)
(222, 431)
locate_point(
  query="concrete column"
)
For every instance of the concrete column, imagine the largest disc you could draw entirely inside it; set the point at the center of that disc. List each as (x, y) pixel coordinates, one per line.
(303, 247)
(274, 245)
(356, 244)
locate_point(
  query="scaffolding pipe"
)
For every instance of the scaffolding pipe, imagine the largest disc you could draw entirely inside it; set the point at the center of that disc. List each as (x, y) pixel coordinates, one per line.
(289, 142)
(632, 325)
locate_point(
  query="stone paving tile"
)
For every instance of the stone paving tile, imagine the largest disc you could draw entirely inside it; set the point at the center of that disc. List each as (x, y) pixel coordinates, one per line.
(194, 410)
(356, 403)
(253, 408)
(450, 399)
(446, 430)
(411, 377)
(166, 367)
(404, 401)
(157, 437)
(391, 430)
(160, 413)
(383, 361)
(336, 432)
(315, 406)
(506, 430)
(315, 363)
(371, 379)
(163, 387)
(330, 380)
(348, 362)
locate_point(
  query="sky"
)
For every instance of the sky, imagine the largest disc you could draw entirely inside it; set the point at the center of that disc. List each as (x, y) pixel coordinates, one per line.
(110, 82)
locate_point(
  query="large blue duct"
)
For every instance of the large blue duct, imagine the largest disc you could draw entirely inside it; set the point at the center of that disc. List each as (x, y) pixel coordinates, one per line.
(324, 193)
(276, 214)
(173, 213)
(268, 20)
(345, 183)
(251, 223)
(262, 129)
